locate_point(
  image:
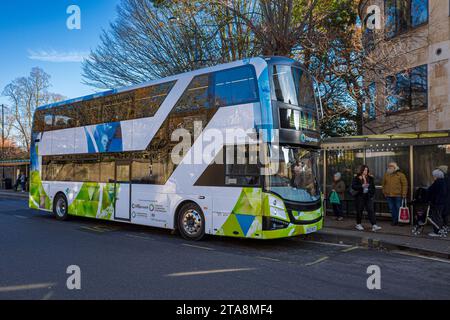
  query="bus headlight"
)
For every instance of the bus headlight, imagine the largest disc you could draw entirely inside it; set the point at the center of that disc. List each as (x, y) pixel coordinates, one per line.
(277, 208)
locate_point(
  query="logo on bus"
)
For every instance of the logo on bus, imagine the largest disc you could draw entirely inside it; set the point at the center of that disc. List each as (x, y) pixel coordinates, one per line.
(306, 139)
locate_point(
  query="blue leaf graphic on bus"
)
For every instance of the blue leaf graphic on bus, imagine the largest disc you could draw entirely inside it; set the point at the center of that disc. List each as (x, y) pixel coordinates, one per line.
(34, 151)
(107, 138)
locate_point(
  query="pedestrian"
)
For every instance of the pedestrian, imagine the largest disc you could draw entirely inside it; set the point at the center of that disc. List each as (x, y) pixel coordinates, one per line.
(23, 181)
(446, 213)
(437, 198)
(16, 184)
(395, 189)
(338, 194)
(364, 186)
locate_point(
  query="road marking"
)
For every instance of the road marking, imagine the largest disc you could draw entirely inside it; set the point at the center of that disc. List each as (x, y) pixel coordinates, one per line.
(197, 273)
(328, 243)
(198, 247)
(138, 237)
(317, 261)
(100, 229)
(27, 287)
(350, 249)
(411, 254)
(268, 258)
(48, 296)
(20, 217)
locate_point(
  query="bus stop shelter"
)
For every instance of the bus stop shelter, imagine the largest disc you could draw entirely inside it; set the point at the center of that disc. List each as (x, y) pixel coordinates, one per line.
(417, 155)
(10, 169)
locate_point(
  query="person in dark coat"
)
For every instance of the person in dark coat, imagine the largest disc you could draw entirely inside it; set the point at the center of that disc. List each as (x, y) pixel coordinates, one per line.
(446, 215)
(338, 187)
(437, 197)
(364, 184)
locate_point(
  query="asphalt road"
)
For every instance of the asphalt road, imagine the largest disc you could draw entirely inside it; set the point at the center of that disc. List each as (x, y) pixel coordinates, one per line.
(119, 261)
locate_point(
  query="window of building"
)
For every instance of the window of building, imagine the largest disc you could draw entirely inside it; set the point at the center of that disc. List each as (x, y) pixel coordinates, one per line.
(419, 12)
(235, 86)
(402, 15)
(419, 87)
(407, 90)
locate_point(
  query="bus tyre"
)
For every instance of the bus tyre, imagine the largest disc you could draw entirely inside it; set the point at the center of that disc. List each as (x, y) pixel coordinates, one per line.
(60, 207)
(191, 222)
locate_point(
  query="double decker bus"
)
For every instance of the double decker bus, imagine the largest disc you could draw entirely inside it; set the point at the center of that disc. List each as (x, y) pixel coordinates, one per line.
(110, 155)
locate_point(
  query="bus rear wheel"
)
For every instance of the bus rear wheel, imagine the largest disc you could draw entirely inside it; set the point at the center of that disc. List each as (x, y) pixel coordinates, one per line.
(60, 207)
(191, 222)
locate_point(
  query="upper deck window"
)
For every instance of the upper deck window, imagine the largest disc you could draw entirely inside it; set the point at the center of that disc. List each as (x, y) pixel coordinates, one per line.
(235, 86)
(292, 86)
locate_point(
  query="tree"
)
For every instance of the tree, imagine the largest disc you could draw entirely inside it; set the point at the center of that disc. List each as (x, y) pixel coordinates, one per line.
(154, 39)
(25, 95)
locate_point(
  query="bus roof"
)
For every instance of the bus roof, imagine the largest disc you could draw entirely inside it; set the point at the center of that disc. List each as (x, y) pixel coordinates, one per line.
(271, 59)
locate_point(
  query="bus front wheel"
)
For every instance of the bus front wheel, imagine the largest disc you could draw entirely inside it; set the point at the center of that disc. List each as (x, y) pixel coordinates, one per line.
(60, 207)
(191, 222)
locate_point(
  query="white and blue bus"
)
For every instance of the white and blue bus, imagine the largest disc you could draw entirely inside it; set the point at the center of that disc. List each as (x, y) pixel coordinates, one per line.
(110, 155)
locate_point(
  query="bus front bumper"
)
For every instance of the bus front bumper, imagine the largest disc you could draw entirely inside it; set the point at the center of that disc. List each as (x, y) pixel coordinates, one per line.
(294, 229)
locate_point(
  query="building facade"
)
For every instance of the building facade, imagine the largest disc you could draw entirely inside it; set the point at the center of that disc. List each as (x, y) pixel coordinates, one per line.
(407, 76)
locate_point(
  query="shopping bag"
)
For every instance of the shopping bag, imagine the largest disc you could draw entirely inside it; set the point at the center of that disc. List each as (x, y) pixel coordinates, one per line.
(334, 198)
(403, 215)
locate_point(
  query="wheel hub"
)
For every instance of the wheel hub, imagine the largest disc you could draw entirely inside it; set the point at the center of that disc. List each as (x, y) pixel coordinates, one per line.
(192, 222)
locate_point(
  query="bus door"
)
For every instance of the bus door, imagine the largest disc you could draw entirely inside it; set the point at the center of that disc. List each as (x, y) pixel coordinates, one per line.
(122, 188)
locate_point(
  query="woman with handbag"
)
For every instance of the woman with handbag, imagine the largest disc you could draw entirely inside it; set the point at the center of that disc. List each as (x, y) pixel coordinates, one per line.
(337, 196)
(363, 189)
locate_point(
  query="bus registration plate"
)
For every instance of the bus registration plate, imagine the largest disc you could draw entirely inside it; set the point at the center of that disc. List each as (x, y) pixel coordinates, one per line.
(311, 229)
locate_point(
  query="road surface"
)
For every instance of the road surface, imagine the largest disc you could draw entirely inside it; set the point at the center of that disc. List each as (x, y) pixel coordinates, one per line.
(119, 261)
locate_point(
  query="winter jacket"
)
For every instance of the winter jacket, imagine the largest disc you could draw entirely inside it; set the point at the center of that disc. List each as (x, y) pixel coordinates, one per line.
(395, 185)
(339, 187)
(357, 185)
(438, 193)
(447, 179)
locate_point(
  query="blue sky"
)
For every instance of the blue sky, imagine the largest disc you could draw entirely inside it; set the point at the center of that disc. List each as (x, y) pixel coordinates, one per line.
(33, 33)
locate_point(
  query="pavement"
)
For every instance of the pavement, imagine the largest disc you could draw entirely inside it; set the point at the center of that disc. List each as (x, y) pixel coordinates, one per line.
(121, 261)
(389, 237)
(14, 194)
